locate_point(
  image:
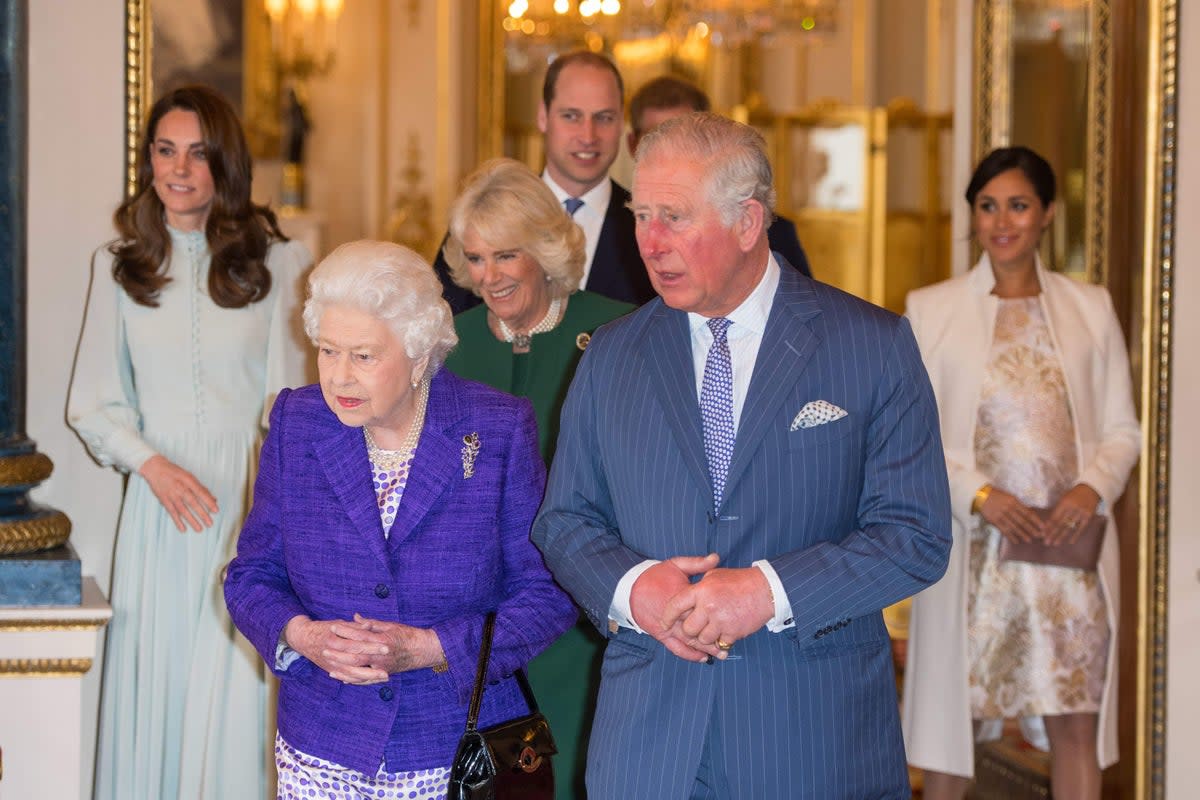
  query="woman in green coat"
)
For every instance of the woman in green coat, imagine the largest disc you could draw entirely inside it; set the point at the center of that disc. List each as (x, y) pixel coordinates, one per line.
(512, 244)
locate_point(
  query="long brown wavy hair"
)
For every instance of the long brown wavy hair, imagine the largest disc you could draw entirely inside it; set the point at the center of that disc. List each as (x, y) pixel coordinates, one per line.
(238, 231)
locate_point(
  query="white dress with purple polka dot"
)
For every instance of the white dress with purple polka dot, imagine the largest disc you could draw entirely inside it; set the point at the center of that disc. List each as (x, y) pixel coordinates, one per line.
(305, 777)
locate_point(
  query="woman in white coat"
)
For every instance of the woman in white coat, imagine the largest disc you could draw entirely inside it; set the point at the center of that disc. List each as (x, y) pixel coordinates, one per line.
(1032, 382)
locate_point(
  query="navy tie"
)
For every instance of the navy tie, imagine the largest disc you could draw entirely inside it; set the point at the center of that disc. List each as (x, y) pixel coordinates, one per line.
(573, 204)
(716, 408)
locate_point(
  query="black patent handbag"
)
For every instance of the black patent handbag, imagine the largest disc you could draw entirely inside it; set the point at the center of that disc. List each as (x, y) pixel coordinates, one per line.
(509, 761)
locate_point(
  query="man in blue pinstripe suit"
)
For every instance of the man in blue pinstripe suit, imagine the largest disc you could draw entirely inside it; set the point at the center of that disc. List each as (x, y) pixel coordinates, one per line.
(749, 469)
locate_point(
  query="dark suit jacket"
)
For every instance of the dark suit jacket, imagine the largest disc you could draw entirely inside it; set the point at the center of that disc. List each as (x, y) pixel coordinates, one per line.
(853, 515)
(459, 547)
(784, 241)
(617, 268)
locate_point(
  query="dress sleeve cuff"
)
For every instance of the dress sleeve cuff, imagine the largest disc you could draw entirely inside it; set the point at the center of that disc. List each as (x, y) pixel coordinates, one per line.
(128, 450)
(284, 655)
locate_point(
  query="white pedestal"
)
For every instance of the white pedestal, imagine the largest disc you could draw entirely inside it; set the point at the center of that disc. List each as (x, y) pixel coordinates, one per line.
(44, 653)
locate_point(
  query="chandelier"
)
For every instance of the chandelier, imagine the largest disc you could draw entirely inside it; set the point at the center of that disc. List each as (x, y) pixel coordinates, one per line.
(722, 22)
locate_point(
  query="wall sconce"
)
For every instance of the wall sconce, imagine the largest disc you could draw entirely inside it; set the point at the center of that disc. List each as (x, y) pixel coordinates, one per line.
(303, 46)
(303, 36)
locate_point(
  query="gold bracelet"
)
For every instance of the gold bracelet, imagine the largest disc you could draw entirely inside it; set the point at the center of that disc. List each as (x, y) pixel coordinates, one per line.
(981, 496)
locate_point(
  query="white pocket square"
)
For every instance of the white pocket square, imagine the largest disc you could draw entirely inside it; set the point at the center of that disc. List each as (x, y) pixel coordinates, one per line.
(818, 412)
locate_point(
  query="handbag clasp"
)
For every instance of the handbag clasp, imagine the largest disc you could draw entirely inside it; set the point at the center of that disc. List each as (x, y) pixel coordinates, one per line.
(529, 760)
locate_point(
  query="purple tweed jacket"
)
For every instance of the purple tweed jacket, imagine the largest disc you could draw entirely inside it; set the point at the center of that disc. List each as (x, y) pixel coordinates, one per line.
(313, 544)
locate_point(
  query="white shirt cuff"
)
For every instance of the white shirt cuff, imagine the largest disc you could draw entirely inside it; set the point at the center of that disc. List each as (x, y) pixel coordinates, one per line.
(621, 611)
(284, 655)
(783, 607)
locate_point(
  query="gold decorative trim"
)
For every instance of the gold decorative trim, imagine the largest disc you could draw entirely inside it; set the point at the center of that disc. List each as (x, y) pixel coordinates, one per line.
(49, 529)
(137, 82)
(1154, 488)
(491, 70)
(61, 625)
(993, 26)
(1097, 169)
(25, 469)
(43, 667)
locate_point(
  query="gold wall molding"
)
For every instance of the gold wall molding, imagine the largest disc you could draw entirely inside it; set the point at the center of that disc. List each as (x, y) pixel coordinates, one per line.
(1099, 160)
(137, 81)
(63, 625)
(43, 667)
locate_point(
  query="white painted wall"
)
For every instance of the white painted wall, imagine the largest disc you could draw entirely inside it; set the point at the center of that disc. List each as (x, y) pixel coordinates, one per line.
(76, 165)
(1183, 584)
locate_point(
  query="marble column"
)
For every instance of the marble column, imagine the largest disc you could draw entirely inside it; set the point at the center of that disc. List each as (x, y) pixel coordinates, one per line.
(24, 526)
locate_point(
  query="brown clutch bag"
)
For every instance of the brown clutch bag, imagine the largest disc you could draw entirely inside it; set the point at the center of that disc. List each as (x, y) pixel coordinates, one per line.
(1084, 553)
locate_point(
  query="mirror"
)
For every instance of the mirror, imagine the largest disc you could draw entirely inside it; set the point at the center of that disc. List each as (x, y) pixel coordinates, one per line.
(857, 122)
(1055, 56)
(1044, 77)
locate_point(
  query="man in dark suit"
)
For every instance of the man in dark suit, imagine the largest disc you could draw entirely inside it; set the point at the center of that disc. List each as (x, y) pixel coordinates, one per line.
(667, 97)
(581, 119)
(748, 471)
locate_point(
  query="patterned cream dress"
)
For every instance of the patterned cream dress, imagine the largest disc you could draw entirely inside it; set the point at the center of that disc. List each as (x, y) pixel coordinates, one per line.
(1038, 635)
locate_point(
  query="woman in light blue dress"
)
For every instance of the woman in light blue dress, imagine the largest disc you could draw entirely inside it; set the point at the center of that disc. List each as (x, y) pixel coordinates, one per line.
(191, 327)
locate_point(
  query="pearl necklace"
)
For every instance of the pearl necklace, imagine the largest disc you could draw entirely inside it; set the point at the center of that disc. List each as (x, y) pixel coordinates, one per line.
(393, 459)
(522, 341)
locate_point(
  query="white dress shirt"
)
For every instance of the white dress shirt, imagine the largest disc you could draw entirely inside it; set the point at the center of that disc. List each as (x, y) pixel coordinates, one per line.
(589, 217)
(749, 321)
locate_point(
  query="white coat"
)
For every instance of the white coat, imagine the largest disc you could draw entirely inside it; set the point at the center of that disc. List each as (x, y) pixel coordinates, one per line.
(953, 322)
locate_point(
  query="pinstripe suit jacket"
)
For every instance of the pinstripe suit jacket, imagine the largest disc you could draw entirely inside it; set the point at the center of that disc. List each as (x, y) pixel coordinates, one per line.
(853, 515)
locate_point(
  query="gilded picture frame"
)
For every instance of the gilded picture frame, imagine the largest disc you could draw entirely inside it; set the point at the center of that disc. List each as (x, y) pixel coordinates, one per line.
(1157, 285)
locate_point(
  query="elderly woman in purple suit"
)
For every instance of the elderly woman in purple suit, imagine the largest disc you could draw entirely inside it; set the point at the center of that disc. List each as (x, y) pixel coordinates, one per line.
(391, 514)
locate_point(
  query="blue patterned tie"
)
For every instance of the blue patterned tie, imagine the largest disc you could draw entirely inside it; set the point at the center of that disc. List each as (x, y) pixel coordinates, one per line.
(573, 204)
(716, 408)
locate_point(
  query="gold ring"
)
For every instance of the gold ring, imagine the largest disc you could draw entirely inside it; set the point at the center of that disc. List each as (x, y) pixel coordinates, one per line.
(723, 645)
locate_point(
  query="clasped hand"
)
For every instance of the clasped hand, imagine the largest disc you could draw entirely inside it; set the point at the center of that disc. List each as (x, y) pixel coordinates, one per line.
(363, 651)
(1020, 523)
(725, 605)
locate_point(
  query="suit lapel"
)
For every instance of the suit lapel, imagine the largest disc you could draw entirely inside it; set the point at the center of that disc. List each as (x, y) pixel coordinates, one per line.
(343, 456)
(604, 278)
(787, 346)
(437, 461)
(668, 355)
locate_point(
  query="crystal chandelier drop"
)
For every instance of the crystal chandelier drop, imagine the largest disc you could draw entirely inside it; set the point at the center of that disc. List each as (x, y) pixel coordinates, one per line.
(733, 22)
(724, 22)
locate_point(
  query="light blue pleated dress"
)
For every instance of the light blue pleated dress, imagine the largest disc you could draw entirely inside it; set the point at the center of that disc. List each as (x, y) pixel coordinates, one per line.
(184, 699)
